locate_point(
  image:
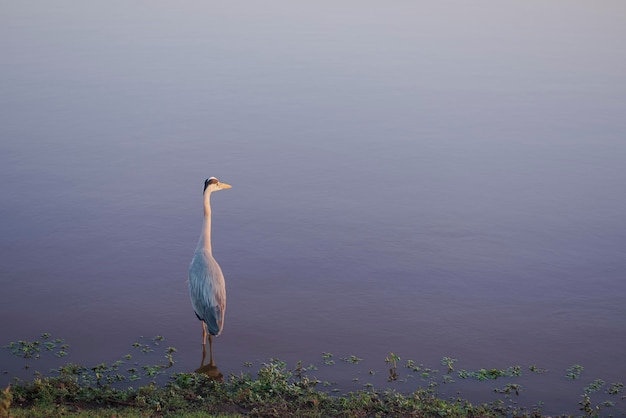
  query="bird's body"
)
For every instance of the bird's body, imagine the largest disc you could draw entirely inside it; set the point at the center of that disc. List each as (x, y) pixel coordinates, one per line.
(207, 288)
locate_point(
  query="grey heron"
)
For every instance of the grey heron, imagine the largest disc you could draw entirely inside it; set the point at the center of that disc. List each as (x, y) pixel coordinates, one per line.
(206, 280)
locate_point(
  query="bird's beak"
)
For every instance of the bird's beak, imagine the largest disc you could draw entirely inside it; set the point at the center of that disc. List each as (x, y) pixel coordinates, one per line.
(225, 186)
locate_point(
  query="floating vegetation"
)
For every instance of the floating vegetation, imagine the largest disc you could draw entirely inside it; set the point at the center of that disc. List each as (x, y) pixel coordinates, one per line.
(328, 358)
(32, 349)
(534, 369)
(509, 389)
(449, 362)
(574, 371)
(274, 389)
(594, 386)
(352, 359)
(615, 388)
(491, 374)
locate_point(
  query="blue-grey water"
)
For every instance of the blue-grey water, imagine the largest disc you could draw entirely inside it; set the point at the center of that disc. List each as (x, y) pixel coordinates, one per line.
(424, 178)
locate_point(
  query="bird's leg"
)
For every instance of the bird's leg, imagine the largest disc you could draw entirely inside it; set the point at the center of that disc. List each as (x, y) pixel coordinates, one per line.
(203, 355)
(211, 349)
(204, 333)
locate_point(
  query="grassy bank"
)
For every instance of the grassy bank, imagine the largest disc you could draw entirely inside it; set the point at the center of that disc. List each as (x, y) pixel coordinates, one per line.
(274, 390)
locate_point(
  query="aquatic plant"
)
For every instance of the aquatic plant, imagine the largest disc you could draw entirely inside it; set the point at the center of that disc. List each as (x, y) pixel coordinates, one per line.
(352, 359)
(574, 371)
(393, 359)
(491, 374)
(449, 362)
(328, 358)
(274, 390)
(32, 349)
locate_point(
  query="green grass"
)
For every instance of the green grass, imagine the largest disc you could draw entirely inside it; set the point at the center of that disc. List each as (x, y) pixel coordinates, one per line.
(275, 390)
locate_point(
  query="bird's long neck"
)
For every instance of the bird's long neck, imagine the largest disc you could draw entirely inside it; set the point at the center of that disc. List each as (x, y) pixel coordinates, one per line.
(205, 236)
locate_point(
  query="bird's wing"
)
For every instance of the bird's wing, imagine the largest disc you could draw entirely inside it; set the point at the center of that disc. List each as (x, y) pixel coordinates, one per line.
(207, 291)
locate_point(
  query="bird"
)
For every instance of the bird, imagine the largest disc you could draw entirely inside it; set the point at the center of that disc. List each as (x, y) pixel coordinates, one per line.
(207, 288)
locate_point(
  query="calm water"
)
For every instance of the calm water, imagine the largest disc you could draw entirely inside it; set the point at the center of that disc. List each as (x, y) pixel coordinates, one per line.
(425, 179)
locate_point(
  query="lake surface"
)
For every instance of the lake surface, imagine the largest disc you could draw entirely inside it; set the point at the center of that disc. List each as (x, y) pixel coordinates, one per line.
(428, 179)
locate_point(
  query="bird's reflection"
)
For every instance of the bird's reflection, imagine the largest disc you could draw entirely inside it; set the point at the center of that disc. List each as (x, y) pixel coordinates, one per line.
(209, 369)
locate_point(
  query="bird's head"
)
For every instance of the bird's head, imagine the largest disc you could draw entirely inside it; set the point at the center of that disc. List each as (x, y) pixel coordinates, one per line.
(212, 184)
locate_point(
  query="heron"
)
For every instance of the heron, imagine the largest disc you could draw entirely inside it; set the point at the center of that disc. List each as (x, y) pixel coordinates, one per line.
(207, 288)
